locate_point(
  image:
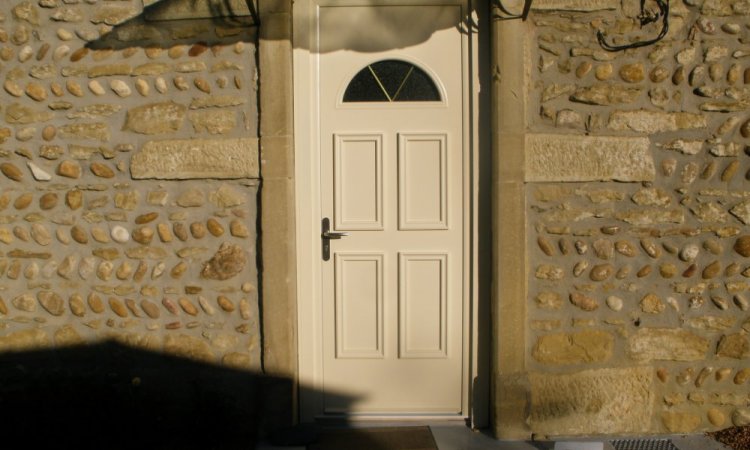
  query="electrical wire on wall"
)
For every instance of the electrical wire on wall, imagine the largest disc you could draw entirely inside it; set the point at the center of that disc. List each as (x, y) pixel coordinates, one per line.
(645, 17)
(506, 14)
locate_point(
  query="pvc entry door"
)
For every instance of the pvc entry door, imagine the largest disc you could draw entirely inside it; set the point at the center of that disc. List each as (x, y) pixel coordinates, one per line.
(391, 182)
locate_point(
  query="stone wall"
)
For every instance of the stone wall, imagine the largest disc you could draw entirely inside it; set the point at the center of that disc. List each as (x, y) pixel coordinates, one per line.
(129, 178)
(638, 207)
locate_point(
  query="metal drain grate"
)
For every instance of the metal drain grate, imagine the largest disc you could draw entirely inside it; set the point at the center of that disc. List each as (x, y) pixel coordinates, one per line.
(643, 444)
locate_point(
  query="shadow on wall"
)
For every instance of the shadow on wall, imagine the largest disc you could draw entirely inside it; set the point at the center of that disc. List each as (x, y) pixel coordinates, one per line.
(109, 396)
(161, 18)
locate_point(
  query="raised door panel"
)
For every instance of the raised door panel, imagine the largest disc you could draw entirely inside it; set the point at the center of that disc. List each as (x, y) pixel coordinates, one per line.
(423, 305)
(422, 181)
(359, 305)
(358, 181)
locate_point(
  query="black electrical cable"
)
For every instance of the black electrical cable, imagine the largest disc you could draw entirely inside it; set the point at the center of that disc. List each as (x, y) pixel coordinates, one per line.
(645, 19)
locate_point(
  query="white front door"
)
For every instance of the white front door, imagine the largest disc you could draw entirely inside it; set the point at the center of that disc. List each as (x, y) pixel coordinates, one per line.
(391, 174)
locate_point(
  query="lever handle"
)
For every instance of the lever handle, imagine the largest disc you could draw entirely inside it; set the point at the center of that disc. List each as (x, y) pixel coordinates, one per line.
(333, 235)
(326, 235)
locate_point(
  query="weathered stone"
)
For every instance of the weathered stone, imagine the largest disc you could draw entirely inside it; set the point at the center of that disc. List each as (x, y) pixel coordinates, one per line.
(689, 252)
(668, 344)
(23, 201)
(733, 346)
(632, 73)
(549, 300)
(161, 85)
(198, 230)
(77, 306)
(680, 422)
(213, 122)
(238, 229)
(36, 91)
(41, 234)
(191, 198)
(651, 197)
(118, 307)
(686, 147)
(601, 272)
(741, 376)
(180, 230)
(650, 216)
(155, 118)
(151, 309)
(11, 171)
(188, 306)
(101, 170)
(584, 158)
(606, 94)
(95, 303)
(652, 304)
(90, 131)
(580, 403)
(226, 197)
(24, 340)
(69, 169)
(25, 303)
(181, 83)
(51, 302)
(712, 270)
(214, 227)
(549, 272)
(741, 417)
(583, 302)
(96, 88)
(580, 267)
(667, 270)
(574, 348)
(178, 270)
(196, 158)
(742, 245)
(94, 111)
(156, 253)
(124, 271)
(651, 122)
(225, 304)
(170, 306)
(614, 303)
(48, 201)
(742, 211)
(188, 347)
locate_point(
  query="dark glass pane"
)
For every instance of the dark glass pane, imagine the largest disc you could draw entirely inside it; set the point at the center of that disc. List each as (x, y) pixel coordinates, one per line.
(364, 88)
(391, 74)
(404, 82)
(419, 87)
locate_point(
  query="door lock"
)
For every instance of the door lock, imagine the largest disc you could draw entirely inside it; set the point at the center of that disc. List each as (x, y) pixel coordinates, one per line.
(326, 235)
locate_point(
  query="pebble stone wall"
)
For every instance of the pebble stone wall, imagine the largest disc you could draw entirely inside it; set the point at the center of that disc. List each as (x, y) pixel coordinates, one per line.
(128, 160)
(638, 207)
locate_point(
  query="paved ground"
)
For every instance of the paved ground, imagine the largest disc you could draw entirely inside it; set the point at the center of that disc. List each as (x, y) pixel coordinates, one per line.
(459, 437)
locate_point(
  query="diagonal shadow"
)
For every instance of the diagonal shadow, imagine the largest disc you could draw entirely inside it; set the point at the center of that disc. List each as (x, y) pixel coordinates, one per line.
(110, 396)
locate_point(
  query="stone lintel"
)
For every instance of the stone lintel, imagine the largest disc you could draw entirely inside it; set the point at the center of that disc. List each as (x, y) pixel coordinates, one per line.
(196, 158)
(573, 158)
(575, 5)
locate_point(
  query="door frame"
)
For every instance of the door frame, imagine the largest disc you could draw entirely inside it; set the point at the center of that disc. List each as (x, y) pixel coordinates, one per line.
(307, 194)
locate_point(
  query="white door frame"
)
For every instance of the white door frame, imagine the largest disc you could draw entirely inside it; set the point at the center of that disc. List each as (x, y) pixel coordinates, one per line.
(307, 194)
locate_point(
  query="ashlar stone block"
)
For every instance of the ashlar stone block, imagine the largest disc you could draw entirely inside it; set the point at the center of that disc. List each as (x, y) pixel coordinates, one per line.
(574, 158)
(620, 401)
(196, 158)
(667, 344)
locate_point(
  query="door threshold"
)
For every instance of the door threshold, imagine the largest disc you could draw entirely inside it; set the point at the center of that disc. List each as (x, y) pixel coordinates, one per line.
(390, 420)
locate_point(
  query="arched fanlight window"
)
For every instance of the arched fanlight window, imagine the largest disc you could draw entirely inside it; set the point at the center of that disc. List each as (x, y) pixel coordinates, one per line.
(391, 80)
